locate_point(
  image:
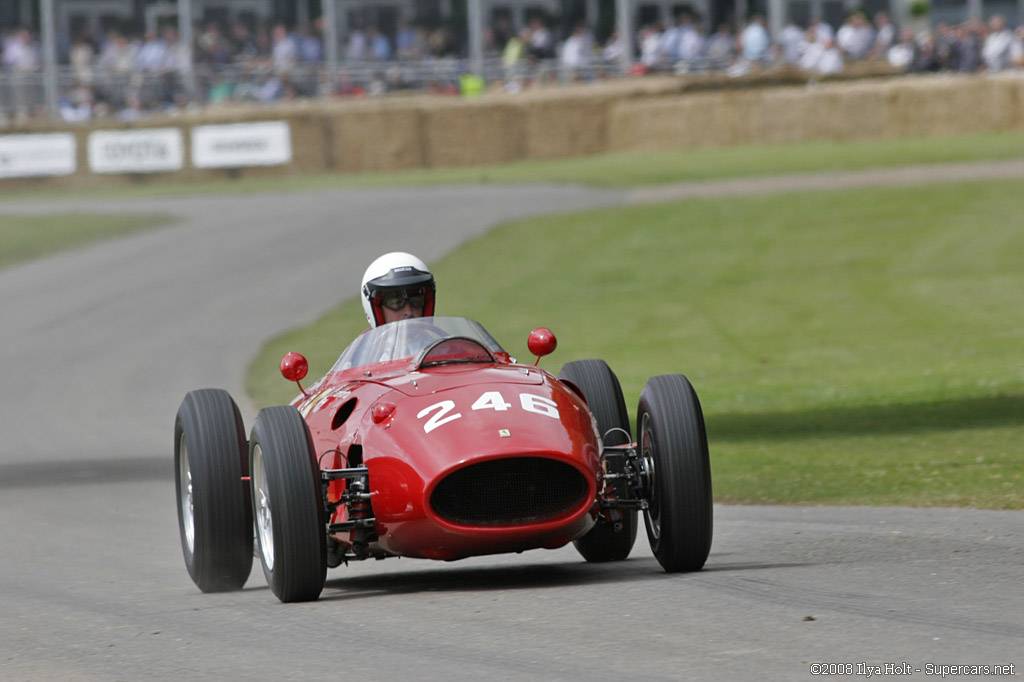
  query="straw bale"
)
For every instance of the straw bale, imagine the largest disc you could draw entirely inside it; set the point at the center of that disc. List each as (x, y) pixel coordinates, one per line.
(804, 114)
(471, 133)
(949, 105)
(567, 127)
(697, 120)
(364, 139)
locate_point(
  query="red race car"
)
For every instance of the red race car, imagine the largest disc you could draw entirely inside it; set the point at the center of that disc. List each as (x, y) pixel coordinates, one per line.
(426, 439)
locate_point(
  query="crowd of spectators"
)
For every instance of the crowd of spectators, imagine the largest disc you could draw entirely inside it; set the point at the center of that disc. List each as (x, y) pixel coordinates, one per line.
(125, 75)
(970, 47)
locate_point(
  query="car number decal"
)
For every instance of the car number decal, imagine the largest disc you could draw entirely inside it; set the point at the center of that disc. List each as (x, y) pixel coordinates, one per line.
(490, 400)
(442, 408)
(539, 404)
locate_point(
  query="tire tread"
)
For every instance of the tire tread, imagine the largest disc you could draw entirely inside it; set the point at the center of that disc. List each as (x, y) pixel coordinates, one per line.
(684, 474)
(300, 559)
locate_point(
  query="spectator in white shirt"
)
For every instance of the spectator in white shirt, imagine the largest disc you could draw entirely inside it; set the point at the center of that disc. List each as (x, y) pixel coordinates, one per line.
(576, 52)
(754, 41)
(357, 49)
(650, 41)
(997, 50)
(855, 37)
(831, 60)
(152, 56)
(285, 52)
(20, 53)
(901, 55)
(691, 42)
(790, 41)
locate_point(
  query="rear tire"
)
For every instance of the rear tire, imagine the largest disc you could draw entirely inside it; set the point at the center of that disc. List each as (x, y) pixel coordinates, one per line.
(674, 444)
(290, 531)
(214, 513)
(603, 393)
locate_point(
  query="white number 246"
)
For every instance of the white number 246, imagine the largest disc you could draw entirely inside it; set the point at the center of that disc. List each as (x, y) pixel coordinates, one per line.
(491, 400)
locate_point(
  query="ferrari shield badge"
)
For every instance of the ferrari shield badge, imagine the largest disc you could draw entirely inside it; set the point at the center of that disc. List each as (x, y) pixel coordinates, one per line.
(504, 433)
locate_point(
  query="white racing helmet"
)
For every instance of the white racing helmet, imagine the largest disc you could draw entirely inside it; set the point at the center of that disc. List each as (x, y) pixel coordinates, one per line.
(396, 273)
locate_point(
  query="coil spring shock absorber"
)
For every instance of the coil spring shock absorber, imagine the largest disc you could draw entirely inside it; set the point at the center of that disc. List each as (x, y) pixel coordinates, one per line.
(359, 510)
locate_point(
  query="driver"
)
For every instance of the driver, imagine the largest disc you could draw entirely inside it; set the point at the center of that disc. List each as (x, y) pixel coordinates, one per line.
(397, 286)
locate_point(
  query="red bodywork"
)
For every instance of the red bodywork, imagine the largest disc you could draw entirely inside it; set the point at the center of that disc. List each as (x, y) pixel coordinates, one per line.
(412, 426)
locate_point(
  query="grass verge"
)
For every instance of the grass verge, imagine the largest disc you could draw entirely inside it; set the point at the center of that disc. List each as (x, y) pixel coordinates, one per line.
(856, 347)
(24, 237)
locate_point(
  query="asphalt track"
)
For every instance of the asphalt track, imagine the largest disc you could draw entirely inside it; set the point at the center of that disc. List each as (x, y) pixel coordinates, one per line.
(98, 346)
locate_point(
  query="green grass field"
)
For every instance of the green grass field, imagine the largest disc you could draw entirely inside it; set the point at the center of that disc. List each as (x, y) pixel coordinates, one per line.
(849, 347)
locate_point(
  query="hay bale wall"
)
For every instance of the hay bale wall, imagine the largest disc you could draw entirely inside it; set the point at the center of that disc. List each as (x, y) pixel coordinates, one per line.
(903, 107)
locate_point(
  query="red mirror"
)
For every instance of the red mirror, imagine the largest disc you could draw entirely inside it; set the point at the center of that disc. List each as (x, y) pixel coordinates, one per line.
(542, 342)
(294, 367)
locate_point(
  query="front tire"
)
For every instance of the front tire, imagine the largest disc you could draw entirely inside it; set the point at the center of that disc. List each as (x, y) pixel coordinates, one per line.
(214, 513)
(290, 531)
(674, 445)
(600, 387)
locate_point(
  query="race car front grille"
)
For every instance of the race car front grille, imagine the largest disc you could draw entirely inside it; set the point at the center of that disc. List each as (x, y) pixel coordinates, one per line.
(509, 492)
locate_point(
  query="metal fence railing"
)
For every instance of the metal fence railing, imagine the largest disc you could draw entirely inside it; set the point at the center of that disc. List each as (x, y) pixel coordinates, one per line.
(114, 93)
(131, 94)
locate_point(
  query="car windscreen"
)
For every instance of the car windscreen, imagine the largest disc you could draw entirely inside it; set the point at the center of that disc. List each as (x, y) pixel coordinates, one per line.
(406, 338)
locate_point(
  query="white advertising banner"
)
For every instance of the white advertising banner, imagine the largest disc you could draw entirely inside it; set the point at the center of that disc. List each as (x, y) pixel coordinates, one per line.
(23, 156)
(268, 143)
(151, 150)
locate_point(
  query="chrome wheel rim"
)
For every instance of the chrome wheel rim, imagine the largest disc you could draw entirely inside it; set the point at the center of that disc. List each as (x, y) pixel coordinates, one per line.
(653, 512)
(188, 511)
(261, 500)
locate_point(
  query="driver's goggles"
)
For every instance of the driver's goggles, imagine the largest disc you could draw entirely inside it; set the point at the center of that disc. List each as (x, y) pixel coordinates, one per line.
(399, 300)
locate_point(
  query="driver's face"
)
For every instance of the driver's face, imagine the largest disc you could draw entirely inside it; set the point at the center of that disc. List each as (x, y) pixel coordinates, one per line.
(403, 313)
(401, 305)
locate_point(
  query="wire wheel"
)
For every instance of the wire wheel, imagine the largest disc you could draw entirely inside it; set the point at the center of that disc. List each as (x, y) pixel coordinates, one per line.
(188, 510)
(261, 508)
